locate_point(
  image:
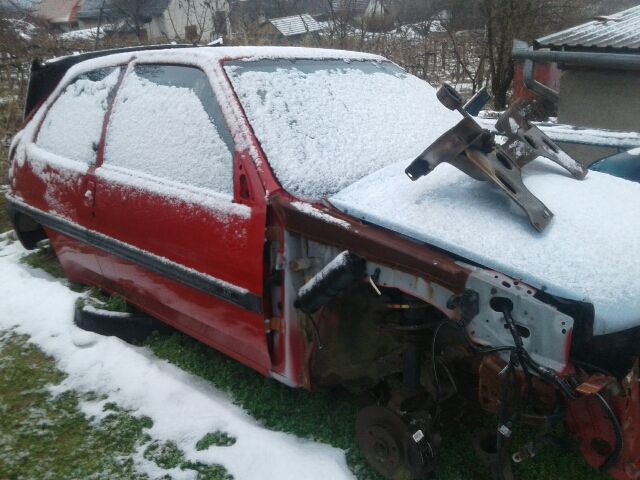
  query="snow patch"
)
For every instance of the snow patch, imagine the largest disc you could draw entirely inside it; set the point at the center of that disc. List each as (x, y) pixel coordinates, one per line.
(311, 210)
(183, 407)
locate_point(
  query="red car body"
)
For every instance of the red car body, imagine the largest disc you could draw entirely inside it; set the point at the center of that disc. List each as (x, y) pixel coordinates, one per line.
(225, 280)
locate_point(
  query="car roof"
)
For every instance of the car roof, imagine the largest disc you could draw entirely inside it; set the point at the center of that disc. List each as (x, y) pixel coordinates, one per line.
(220, 52)
(45, 75)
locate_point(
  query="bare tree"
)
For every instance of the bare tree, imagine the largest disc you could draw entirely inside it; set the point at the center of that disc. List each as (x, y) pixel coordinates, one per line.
(131, 13)
(506, 20)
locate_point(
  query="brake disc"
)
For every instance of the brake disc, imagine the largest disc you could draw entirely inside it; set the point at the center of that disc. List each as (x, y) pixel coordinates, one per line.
(394, 448)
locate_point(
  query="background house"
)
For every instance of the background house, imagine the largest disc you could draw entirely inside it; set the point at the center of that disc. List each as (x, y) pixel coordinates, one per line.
(292, 28)
(375, 14)
(61, 14)
(17, 6)
(599, 82)
(155, 20)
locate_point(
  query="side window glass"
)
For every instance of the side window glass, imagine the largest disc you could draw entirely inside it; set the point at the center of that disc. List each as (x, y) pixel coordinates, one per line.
(166, 122)
(73, 124)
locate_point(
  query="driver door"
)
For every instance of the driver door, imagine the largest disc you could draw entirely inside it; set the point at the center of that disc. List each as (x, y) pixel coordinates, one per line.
(178, 244)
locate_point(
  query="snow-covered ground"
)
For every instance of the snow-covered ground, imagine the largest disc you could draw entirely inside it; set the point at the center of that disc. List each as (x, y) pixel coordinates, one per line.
(183, 408)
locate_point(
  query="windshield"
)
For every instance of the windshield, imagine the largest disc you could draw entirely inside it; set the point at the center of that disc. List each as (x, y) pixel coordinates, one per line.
(324, 124)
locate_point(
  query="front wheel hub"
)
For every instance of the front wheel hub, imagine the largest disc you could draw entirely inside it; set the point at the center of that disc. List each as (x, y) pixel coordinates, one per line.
(395, 448)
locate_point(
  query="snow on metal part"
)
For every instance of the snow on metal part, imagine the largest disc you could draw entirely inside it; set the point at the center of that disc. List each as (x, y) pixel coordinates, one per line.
(578, 135)
(587, 253)
(183, 408)
(180, 195)
(339, 261)
(313, 211)
(325, 124)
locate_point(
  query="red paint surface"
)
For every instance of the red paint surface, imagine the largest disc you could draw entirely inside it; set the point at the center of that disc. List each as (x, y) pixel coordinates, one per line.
(546, 73)
(589, 423)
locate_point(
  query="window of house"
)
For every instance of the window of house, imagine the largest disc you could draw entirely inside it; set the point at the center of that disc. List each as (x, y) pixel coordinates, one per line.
(191, 33)
(73, 125)
(166, 122)
(220, 22)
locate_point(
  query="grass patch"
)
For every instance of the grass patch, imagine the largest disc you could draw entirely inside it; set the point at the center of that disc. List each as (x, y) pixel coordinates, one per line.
(43, 436)
(44, 258)
(166, 455)
(103, 301)
(5, 224)
(217, 439)
(322, 416)
(49, 437)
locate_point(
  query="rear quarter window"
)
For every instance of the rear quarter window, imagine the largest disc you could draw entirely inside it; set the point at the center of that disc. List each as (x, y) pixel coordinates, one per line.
(73, 125)
(167, 123)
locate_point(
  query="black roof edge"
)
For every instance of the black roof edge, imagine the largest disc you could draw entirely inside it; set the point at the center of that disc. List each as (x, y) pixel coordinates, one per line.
(45, 76)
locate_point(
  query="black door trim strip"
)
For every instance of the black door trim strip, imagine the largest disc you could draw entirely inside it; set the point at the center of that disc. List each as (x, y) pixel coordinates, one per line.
(160, 265)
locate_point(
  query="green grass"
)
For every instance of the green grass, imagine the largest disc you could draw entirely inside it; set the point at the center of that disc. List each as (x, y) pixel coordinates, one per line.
(102, 301)
(217, 438)
(46, 436)
(44, 258)
(323, 416)
(330, 417)
(49, 437)
(5, 224)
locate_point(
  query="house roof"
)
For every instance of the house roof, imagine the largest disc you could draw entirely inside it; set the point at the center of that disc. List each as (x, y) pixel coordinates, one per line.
(295, 25)
(17, 6)
(620, 31)
(58, 11)
(90, 9)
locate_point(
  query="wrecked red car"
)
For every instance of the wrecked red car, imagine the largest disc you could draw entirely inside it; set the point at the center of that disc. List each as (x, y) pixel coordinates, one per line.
(261, 200)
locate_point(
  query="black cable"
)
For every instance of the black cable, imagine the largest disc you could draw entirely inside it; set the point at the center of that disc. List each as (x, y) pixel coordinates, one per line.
(486, 351)
(525, 361)
(316, 332)
(436, 382)
(520, 352)
(503, 422)
(591, 366)
(434, 365)
(613, 458)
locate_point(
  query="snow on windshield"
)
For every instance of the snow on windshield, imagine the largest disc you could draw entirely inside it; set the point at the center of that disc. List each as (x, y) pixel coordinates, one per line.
(324, 124)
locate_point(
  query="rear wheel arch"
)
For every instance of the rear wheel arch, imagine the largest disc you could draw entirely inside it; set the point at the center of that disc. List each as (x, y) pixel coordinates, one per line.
(29, 231)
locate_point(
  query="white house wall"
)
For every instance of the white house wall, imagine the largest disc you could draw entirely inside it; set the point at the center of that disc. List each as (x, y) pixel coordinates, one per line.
(182, 13)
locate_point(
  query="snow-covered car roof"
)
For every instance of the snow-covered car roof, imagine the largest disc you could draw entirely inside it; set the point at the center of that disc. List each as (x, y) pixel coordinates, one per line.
(218, 53)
